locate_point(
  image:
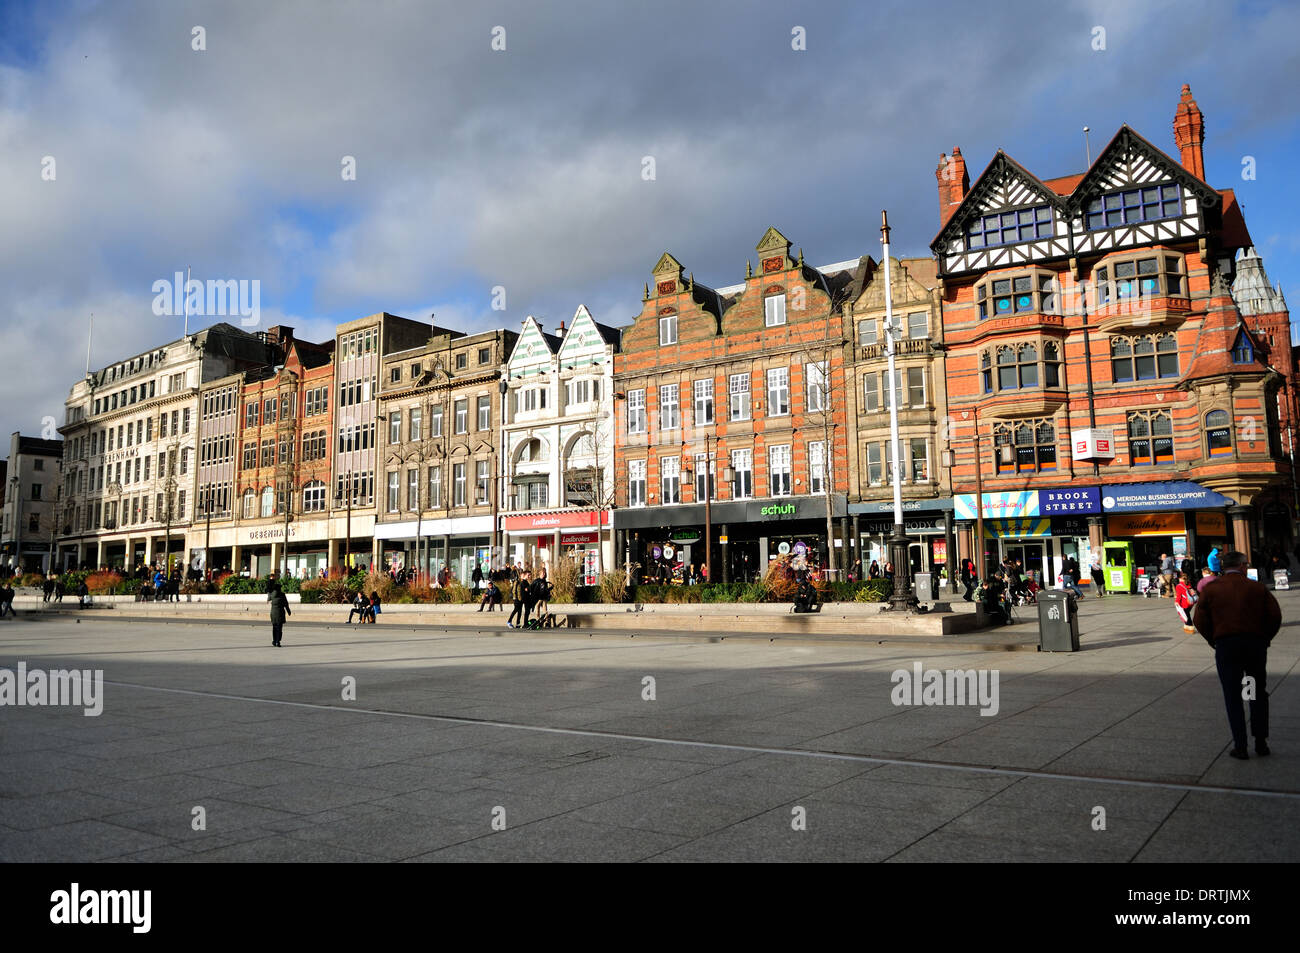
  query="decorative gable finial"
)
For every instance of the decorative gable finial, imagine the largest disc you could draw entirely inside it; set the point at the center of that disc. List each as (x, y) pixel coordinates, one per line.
(690, 283)
(646, 296)
(800, 257)
(749, 268)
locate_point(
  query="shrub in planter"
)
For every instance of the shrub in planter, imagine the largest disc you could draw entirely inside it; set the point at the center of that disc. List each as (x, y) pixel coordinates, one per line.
(874, 590)
(613, 587)
(103, 583)
(754, 592)
(564, 579)
(31, 580)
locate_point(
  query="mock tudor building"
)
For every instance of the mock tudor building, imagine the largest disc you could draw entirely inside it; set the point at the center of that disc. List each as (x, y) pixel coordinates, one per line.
(559, 445)
(438, 460)
(1103, 383)
(732, 426)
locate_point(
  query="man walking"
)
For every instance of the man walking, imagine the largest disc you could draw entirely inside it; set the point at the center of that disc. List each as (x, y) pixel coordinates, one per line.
(1098, 579)
(519, 594)
(279, 609)
(1070, 576)
(1239, 617)
(968, 578)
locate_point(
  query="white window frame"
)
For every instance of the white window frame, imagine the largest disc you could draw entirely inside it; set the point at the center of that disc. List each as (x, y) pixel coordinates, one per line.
(774, 310)
(925, 322)
(636, 416)
(816, 402)
(667, 330)
(739, 404)
(817, 467)
(670, 407)
(702, 392)
(778, 386)
(925, 459)
(636, 483)
(670, 479)
(778, 466)
(742, 462)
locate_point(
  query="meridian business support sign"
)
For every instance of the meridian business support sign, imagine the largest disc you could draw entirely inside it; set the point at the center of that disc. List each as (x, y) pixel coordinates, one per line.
(1170, 495)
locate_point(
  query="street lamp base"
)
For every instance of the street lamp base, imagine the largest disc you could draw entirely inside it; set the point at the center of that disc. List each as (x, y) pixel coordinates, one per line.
(902, 598)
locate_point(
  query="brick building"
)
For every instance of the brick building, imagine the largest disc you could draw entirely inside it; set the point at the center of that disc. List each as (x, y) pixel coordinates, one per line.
(747, 384)
(1102, 382)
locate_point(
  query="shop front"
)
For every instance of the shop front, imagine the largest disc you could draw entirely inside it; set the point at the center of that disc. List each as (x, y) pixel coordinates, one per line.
(667, 541)
(426, 546)
(1040, 528)
(1178, 517)
(928, 524)
(258, 549)
(539, 538)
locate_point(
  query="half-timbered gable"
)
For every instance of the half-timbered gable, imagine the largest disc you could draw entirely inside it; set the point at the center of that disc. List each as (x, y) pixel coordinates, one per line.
(1008, 217)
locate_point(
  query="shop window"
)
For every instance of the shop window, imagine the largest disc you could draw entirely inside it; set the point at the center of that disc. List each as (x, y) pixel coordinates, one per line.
(1150, 438)
(1032, 446)
(1218, 433)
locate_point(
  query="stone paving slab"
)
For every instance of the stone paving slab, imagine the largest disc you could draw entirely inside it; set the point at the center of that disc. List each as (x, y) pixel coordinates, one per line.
(711, 769)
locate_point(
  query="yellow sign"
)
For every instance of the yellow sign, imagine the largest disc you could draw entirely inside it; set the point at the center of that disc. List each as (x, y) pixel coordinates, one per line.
(722, 539)
(1211, 524)
(1146, 524)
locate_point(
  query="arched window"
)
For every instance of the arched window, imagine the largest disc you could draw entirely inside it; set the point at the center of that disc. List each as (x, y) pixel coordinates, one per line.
(250, 503)
(313, 497)
(1051, 364)
(268, 501)
(1218, 433)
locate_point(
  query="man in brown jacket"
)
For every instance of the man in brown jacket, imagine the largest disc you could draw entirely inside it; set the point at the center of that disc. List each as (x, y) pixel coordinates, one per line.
(1239, 618)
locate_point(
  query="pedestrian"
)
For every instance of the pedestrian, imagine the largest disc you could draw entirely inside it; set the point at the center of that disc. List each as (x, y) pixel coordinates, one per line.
(279, 609)
(490, 598)
(519, 594)
(1168, 571)
(1098, 578)
(374, 609)
(476, 580)
(530, 596)
(7, 600)
(47, 588)
(541, 593)
(83, 593)
(855, 574)
(874, 571)
(968, 578)
(994, 599)
(1187, 567)
(1207, 577)
(1070, 576)
(1185, 597)
(1214, 561)
(1239, 617)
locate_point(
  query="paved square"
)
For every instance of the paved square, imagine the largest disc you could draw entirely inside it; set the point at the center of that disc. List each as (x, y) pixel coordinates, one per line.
(544, 748)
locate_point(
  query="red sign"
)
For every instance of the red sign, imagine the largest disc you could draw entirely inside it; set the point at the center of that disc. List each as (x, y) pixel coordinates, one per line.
(549, 521)
(574, 539)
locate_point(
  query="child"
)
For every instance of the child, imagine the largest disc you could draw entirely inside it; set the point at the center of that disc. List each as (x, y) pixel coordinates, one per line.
(1184, 599)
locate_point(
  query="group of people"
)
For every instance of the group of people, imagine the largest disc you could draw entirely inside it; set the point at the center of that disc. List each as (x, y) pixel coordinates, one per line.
(365, 608)
(531, 597)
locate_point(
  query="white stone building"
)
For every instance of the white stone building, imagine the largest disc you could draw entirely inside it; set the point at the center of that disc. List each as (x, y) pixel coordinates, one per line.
(559, 445)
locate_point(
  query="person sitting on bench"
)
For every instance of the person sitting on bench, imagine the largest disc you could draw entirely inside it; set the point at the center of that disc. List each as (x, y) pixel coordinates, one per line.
(805, 598)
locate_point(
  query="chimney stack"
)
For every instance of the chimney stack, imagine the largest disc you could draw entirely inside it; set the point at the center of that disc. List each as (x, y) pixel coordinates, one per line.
(953, 181)
(1189, 134)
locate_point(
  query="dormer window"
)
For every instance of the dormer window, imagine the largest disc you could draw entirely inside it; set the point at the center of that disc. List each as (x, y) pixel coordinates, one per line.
(1004, 228)
(1243, 349)
(1016, 294)
(1129, 206)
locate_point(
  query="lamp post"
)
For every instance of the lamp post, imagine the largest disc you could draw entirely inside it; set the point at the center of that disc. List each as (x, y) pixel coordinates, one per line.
(207, 538)
(901, 597)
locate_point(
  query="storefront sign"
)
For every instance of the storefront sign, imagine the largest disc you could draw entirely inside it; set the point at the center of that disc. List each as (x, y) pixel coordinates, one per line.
(1147, 524)
(1016, 529)
(940, 547)
(909, 506)
(552, 520)
(1010, 505)
(575, 539)
(1083, 499)
(1180, 546)
(920, 526)
(271, 532)
(1211, 524)
(778, 509)
(1069, 526)
(1097, 443)
(1172, 495)
(685, 535)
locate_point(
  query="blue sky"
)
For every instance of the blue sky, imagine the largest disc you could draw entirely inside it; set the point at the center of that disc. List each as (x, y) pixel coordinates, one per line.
(522, 168)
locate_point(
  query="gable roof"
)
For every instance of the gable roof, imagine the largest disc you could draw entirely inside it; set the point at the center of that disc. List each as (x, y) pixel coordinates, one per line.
(1121, 144)
(993, 179)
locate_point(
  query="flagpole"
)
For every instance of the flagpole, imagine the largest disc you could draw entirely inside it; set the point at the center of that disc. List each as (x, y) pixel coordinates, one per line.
(898, 543)
(90, 336)
(187, 301)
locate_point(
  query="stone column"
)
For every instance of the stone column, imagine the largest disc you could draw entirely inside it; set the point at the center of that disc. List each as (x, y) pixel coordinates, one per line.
(1241, 517)
(99, 553)
(965, 530)
(235, 555)
(128, 563)
(332, 553)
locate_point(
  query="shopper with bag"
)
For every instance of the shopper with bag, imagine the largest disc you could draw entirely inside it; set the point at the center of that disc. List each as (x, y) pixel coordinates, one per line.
(1184, 600)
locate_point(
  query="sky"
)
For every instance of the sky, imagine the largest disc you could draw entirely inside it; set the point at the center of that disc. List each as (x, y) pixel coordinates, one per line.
(218, 136)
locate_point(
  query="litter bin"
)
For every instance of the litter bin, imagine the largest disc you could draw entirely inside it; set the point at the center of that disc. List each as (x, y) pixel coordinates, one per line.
(1058, 621)
(923, 586)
